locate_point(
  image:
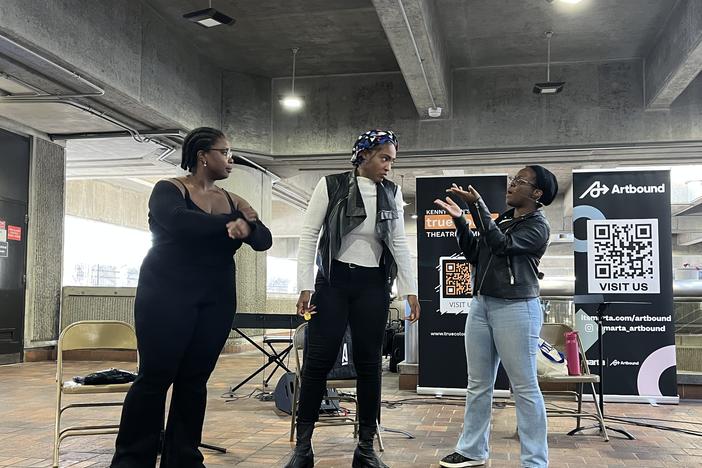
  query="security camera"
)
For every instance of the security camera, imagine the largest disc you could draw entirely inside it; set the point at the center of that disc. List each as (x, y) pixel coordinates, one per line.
(434, 112)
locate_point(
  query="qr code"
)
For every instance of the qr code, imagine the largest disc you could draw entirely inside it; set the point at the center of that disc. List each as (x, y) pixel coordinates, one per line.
(455, 278)
(623, 256)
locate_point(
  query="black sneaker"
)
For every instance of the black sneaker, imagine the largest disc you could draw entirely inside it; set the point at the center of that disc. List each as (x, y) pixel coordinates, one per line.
(456, 460)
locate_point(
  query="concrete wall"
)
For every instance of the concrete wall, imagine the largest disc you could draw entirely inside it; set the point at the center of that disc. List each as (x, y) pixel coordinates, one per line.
(337, 109)
(103, 201)
(492, 108)
(44, 243)
(246, 111)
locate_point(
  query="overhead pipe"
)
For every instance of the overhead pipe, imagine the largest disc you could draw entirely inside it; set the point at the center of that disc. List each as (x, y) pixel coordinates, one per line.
(42, 97)
(97, 135)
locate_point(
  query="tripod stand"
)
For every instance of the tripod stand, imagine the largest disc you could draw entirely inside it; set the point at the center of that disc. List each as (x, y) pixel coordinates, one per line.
(601, 307)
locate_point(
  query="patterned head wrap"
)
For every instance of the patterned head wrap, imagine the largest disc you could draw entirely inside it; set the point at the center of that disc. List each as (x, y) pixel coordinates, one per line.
(370, 140)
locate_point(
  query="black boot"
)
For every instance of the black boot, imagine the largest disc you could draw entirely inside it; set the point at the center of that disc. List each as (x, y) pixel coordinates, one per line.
(302, 457)
(365, 456)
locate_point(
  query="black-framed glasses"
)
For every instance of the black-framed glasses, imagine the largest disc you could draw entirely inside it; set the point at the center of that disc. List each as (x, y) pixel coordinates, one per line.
(513, 181)
(226, 152)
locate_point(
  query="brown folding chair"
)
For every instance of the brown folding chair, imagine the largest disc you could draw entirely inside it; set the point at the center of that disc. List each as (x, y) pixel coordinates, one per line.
(554, 334)
(89, 335)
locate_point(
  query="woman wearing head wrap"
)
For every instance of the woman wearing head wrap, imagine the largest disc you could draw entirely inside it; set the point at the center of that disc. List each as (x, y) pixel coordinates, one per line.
(362, 249)
(505, 316)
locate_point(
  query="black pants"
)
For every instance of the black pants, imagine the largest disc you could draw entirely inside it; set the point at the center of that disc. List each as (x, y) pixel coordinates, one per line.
(357, 296)
(183, 319)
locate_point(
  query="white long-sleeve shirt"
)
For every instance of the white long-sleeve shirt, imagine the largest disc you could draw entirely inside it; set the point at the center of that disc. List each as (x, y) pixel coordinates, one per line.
(360, 246)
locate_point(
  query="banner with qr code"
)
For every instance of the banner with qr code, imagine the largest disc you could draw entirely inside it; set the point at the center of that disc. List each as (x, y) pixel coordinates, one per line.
(623, 256)
(445, 283)
(454, 285)
(623, 253)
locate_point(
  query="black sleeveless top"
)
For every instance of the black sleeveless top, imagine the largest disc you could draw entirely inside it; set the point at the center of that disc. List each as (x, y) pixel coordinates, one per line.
(184, 234)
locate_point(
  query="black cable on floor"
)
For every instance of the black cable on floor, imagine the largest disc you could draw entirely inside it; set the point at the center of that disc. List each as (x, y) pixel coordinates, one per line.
(635, 421)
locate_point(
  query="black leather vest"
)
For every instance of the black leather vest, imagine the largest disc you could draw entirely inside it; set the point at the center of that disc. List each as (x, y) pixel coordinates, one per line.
(346, 212)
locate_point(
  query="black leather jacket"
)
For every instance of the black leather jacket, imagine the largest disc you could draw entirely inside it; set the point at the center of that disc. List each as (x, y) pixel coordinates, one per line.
(505, 253)
(346, 211)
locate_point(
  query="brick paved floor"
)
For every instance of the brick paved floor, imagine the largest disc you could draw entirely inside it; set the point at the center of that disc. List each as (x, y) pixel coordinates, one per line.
(257, 436)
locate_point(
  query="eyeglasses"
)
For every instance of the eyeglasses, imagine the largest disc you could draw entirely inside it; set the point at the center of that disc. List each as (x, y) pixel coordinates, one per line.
(226, 152)
(519, 181)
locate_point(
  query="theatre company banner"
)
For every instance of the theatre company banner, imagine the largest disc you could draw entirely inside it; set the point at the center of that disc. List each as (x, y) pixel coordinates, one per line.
(444, 282)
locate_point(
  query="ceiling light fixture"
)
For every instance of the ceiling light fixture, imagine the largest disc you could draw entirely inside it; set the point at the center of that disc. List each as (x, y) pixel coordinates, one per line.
(209, 17)
(548, 87)
(434, 112)
(291, 101)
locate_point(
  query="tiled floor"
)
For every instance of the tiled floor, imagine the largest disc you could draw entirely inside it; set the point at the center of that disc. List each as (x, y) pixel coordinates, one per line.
(255, 435)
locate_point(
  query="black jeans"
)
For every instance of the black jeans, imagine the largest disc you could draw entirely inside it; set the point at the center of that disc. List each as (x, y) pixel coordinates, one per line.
(183, 319)
(357, 296)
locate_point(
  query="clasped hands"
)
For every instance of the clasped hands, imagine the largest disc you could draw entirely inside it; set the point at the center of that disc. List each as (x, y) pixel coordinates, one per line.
(240, 228)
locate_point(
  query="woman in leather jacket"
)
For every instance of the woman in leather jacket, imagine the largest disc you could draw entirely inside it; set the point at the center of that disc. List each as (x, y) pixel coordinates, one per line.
(505, 315)
(357, 216)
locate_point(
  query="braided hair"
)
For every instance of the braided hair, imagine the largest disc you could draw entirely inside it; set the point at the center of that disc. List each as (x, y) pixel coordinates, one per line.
(199, 139)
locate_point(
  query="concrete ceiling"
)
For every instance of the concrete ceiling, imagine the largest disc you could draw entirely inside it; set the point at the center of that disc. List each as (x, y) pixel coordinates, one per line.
(482, 33)
(346, 36)
(334, 36)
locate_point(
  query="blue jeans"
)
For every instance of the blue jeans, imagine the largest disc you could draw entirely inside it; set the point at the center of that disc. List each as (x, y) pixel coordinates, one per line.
(506, 329)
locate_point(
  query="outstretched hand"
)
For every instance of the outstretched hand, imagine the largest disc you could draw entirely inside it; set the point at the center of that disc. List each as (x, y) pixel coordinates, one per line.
(449, 206)
(469, 195)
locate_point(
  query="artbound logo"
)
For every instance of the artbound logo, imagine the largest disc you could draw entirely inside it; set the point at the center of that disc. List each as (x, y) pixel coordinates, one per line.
(598, 188)
(595, 190)
(617, 362)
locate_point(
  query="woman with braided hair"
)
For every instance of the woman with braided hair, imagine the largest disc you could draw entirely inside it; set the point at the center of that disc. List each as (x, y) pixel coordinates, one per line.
(362, 249)
(185, 303)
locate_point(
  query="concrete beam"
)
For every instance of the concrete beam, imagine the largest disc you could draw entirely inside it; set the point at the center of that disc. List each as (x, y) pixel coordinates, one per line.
(676, 59)
(689, 238)
(414, 34)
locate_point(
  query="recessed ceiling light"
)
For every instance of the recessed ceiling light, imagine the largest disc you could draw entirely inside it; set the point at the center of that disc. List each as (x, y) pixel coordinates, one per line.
(209, 17)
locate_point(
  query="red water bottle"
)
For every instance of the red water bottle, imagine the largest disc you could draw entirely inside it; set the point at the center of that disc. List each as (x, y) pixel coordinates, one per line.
(572, 352)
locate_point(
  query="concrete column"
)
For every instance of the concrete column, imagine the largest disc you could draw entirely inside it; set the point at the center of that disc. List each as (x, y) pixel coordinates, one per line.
(44, 243)
(256, 188)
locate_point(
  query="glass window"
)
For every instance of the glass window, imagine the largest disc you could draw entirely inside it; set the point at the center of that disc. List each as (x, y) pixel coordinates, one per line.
(102, 254)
